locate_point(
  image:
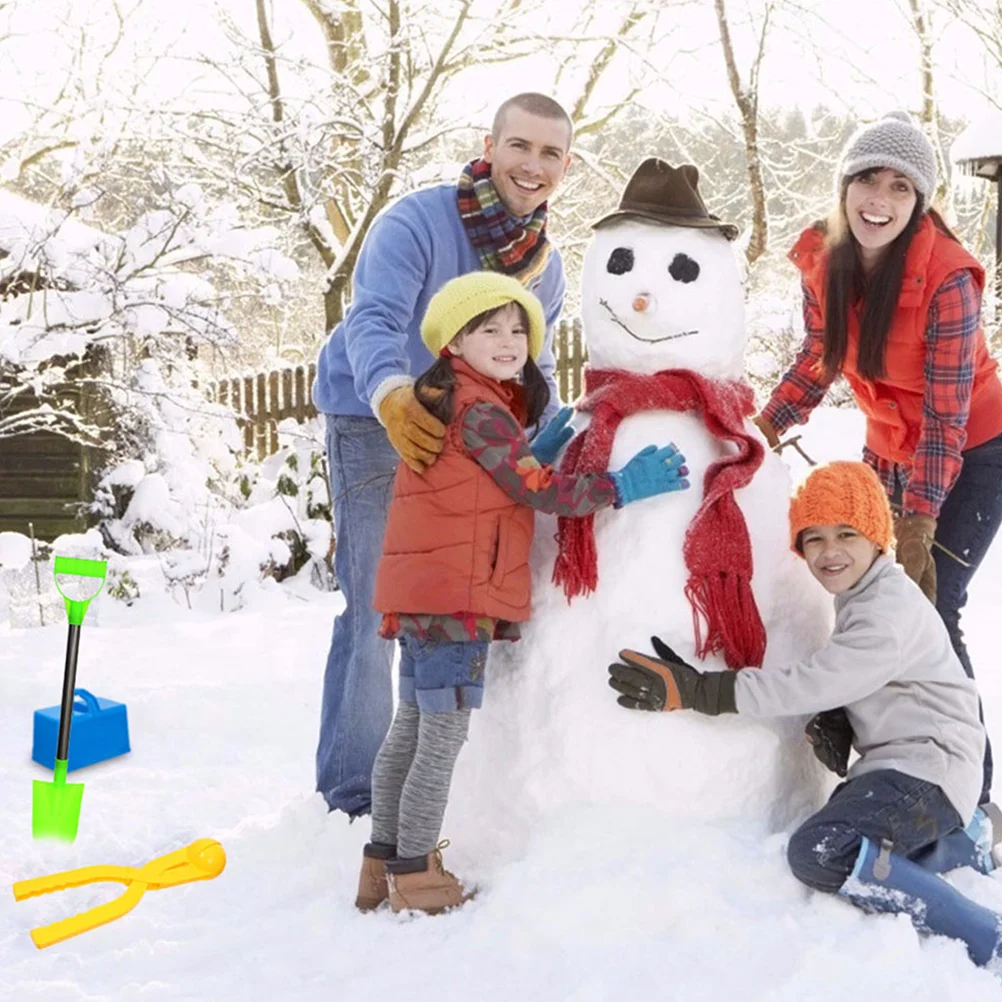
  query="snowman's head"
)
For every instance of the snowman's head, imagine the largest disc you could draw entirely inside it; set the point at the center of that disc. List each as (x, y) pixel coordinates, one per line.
(657, 296)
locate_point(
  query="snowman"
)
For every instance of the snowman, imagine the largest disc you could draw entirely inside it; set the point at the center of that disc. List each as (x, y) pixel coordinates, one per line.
(708, 570)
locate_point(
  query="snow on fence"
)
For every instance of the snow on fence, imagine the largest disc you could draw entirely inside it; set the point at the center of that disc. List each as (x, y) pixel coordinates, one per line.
(263, 399)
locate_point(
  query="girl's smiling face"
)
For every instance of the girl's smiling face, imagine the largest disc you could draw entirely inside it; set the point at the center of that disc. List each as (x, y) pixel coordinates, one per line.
(499, 346)
(838, 555)
(878, 205)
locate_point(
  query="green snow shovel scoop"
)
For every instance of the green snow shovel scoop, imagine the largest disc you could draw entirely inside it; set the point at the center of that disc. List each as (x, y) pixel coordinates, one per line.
(55, 806)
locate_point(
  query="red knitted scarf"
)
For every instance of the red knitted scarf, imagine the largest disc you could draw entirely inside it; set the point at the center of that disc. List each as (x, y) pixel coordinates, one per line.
(717, 548)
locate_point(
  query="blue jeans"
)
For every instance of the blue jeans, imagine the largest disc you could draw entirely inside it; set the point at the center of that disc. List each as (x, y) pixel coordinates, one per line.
(441, 676)
(967, 524)
(358, 696)
(886, 804)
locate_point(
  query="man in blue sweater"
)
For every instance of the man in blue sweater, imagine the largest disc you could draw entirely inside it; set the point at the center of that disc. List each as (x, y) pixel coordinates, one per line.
(493, 218)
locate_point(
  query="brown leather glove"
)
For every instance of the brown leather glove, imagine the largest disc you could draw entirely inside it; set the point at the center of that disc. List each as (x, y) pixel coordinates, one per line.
(765, 426)
(412, 430)
(914, 535)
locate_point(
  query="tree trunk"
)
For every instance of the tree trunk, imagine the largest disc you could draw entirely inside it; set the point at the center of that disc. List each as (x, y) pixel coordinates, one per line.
(943, 194)
(747, 102)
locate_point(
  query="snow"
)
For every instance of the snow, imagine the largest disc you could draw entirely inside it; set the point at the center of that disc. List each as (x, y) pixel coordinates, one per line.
(15, 550)
(980, 140)
(597, 901)
(602, 903)
(110, 285)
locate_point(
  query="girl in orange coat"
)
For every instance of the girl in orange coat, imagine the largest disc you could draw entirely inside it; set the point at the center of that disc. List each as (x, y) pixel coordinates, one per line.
(892, 301)
(455, 573)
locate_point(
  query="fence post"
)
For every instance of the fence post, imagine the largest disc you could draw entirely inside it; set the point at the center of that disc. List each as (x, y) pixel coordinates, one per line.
(300, 401)
(261, 425)
(274, 413)
(577, 359)
(288, 402)
(560, 350)
(250, 411)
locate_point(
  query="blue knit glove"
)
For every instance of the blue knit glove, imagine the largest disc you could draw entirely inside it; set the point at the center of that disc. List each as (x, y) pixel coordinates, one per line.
(555, 435)
(651, 471)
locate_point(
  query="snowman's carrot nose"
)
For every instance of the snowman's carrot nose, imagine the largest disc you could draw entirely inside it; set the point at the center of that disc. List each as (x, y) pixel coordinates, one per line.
(641, 302)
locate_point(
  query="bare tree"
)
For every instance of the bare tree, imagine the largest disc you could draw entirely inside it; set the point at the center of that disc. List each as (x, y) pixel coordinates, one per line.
(339, 140)
(747, 100)
(921, 22)
(983, 18)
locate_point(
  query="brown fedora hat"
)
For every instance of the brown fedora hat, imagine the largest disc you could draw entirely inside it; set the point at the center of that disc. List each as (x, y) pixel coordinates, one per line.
(667, 195)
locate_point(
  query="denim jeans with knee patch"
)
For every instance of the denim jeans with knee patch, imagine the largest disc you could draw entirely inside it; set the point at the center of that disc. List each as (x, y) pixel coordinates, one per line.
(442, 675)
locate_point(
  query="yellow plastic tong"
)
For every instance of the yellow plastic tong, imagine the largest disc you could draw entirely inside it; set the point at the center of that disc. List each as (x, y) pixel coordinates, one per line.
(202, 860)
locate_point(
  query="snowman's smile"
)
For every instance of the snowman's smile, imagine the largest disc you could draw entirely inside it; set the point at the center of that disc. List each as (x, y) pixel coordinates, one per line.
(637, 337)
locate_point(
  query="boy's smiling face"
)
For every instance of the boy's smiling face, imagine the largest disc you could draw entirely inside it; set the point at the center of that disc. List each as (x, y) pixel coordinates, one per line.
(838, 555)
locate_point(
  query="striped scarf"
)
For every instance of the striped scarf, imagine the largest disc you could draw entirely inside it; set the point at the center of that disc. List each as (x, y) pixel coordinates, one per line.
(503, 243)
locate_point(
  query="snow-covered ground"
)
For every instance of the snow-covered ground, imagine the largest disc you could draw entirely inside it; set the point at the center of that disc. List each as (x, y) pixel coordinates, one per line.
(604, 904)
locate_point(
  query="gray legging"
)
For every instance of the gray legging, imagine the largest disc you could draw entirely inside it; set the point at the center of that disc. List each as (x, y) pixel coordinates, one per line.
(411, 778)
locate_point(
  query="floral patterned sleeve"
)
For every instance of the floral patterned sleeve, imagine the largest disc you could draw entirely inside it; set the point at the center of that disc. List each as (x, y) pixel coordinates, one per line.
(494, 439)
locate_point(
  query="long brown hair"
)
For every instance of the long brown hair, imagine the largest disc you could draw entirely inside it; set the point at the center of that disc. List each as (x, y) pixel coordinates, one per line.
(440, 376)
(846, 282)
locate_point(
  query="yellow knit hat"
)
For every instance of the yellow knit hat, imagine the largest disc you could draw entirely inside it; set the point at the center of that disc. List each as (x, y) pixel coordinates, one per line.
(842, 493)
(466, 297)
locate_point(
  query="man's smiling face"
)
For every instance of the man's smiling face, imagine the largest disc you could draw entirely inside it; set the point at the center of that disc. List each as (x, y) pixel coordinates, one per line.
(528, 159)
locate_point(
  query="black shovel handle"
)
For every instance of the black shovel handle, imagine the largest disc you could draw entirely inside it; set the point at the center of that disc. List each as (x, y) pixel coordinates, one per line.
(69, 685)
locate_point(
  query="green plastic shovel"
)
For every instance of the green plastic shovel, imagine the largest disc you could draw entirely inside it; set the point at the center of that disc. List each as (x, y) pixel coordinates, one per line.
(55, 806)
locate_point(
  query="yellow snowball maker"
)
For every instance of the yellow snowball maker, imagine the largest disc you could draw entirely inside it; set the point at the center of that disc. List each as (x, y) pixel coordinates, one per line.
(202, 860)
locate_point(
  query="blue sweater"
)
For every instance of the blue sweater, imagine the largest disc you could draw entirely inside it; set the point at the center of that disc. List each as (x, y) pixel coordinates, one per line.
(412, 249)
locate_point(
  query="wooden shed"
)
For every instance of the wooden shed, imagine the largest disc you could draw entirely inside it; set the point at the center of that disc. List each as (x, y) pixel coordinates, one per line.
(45, 478)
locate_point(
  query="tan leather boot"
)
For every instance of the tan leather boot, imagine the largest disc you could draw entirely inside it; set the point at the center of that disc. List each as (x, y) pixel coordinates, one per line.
(424, 884)
(372, 889)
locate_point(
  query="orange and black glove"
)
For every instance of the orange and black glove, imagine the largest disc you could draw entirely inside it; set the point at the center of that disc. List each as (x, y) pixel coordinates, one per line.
(668, 683)
(914, 534)
(416, 434)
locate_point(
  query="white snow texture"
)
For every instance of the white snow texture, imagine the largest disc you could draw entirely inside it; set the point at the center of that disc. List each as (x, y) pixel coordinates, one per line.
(618, 855)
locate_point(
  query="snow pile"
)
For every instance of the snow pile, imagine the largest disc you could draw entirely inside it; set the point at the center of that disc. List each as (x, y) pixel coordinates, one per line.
(605, 901)
(219, 532)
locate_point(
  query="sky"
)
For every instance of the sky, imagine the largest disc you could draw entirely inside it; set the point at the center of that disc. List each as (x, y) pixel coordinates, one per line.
(867, 61)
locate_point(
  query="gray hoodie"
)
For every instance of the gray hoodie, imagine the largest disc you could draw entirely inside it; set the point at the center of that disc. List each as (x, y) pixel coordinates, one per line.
(889, 662)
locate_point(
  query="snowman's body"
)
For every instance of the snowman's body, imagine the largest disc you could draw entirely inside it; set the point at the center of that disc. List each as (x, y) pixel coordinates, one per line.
(551, 733)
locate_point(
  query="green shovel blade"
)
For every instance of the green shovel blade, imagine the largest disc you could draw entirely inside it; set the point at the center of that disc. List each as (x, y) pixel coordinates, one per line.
(55, 806)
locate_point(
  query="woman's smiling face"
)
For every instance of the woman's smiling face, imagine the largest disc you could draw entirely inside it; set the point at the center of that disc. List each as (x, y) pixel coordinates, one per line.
(878, 205)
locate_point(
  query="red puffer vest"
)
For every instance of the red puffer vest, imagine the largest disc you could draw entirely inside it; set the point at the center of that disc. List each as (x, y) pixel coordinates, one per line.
(893, 403)
(455, 542)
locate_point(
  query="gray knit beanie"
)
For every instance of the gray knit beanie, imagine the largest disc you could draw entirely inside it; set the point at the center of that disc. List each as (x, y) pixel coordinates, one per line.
(897, 142)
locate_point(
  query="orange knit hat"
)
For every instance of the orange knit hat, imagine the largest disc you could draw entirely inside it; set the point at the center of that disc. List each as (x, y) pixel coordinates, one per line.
(842, 493)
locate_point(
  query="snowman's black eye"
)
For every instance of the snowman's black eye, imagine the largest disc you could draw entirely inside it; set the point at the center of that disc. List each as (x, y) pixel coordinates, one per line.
(620, 261)
(683, 268)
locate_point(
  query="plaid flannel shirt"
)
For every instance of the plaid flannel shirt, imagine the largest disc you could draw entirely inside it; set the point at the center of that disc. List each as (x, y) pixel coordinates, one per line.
(951, 339)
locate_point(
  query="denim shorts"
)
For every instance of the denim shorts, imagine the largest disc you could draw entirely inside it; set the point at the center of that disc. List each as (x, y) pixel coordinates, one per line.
(441, 676)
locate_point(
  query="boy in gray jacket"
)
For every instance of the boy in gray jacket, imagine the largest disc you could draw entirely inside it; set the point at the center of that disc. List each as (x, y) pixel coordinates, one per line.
(908, 810)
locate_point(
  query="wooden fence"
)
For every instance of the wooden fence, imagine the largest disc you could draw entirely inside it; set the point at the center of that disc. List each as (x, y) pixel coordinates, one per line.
(263, 399)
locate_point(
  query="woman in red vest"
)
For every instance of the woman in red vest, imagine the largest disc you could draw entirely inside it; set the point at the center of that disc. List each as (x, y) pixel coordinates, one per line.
(455, 574)
(892, 302)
